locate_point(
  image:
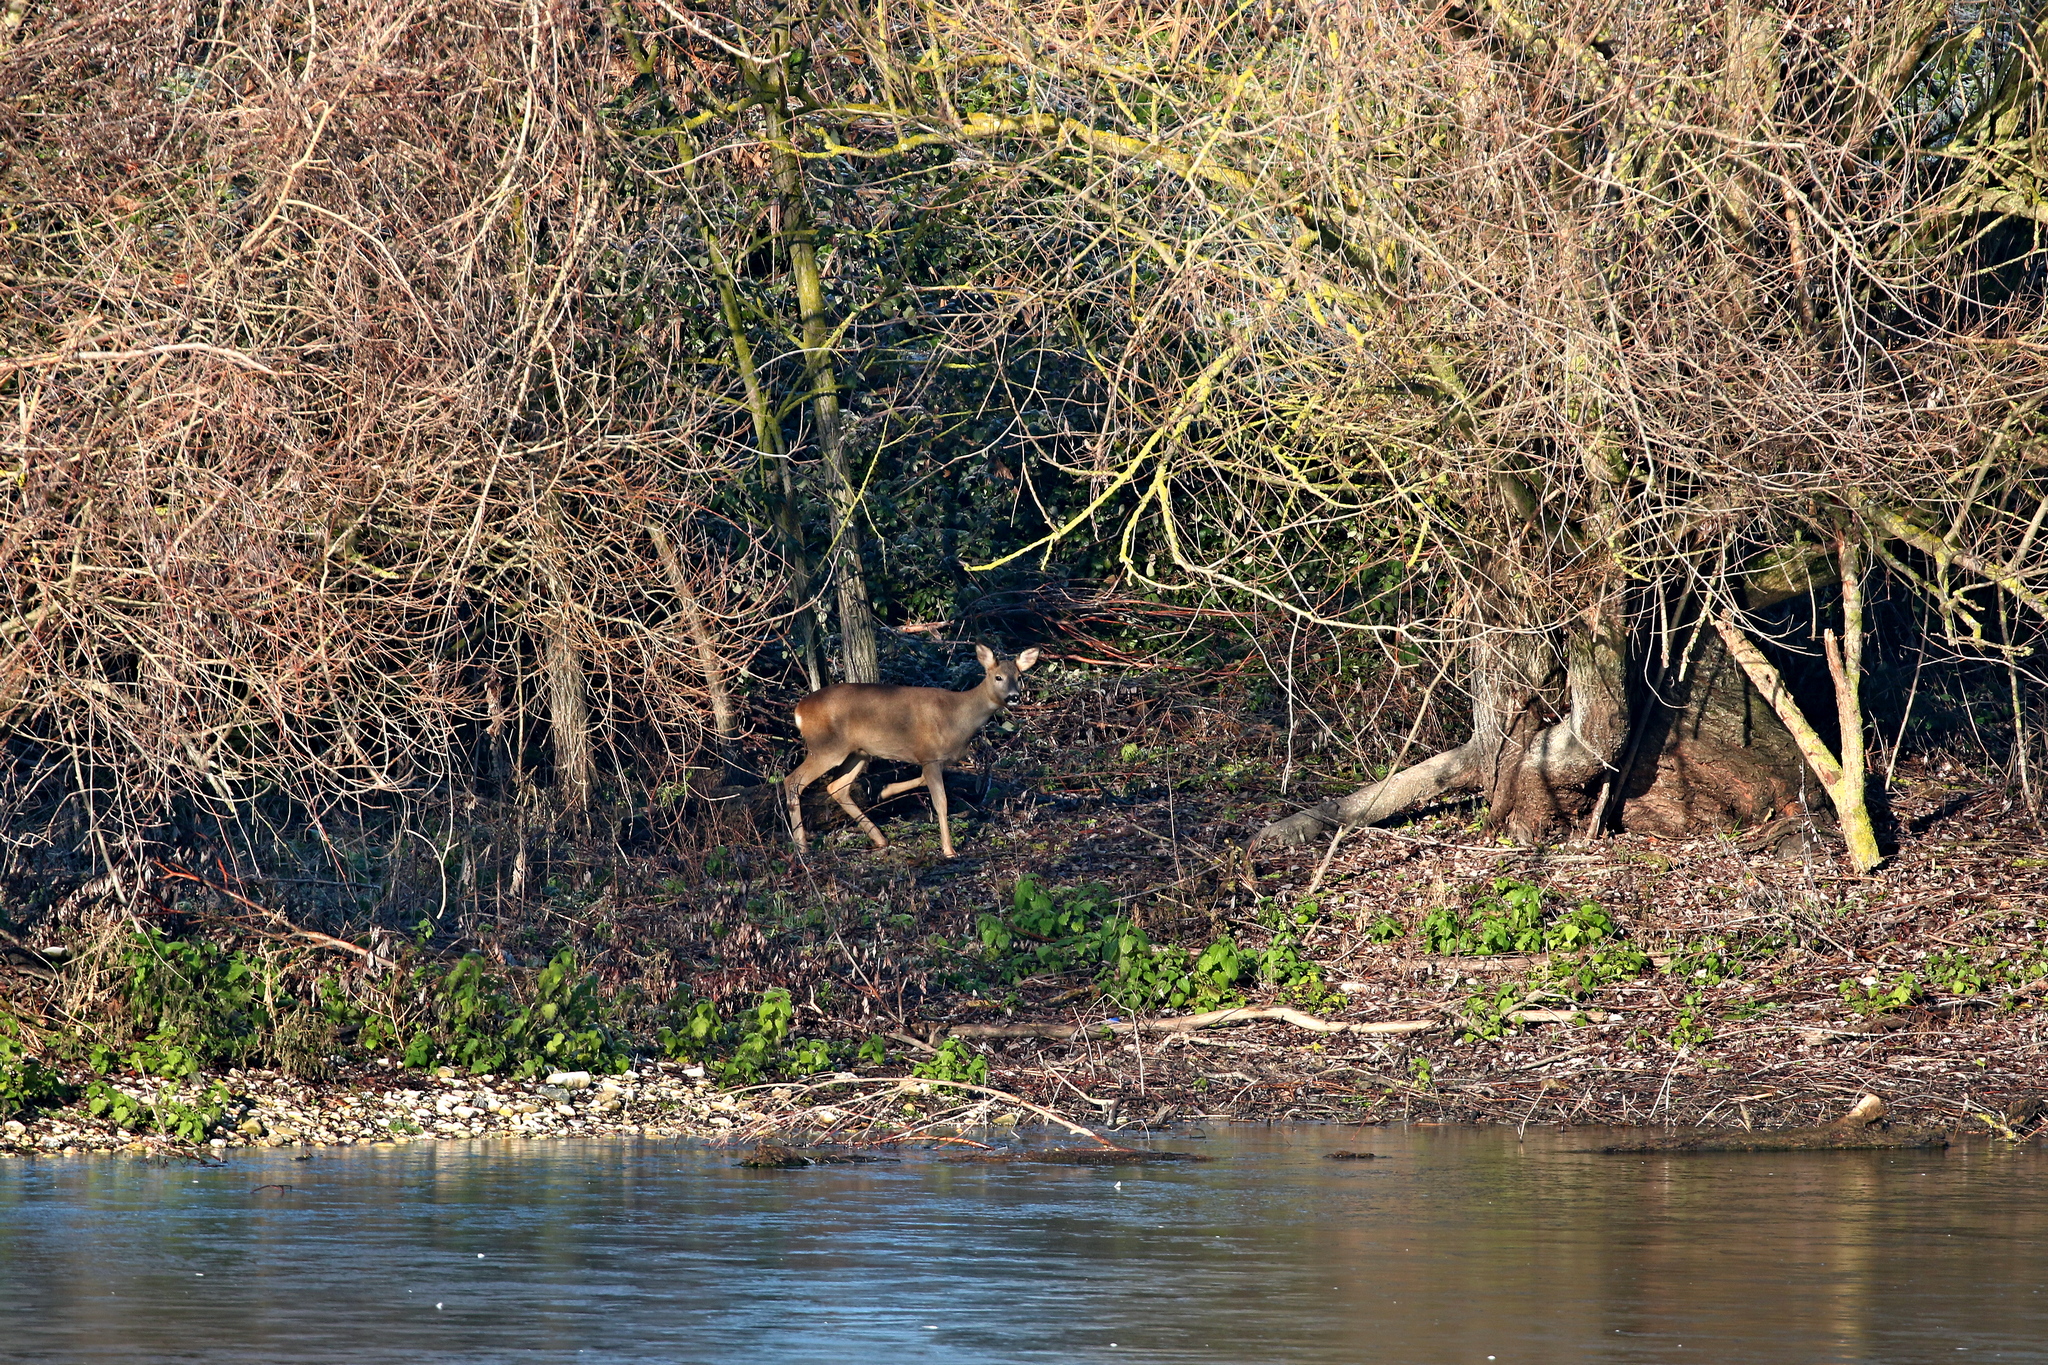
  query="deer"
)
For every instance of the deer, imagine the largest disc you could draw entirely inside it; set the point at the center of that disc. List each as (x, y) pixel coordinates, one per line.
(928, 726)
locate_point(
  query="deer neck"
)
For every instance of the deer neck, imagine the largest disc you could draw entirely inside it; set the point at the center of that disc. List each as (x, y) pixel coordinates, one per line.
(979, 704)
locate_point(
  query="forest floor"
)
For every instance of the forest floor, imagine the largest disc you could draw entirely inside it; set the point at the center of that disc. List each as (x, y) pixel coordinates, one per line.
(1725, 981)
(1768, 985)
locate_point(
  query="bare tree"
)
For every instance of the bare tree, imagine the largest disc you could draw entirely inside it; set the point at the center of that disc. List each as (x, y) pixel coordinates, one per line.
(1615, 323)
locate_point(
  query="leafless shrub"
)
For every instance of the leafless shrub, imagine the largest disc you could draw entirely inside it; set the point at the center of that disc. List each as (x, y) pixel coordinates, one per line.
(339, 453)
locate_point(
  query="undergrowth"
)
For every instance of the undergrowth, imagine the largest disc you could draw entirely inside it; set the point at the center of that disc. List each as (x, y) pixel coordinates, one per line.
(1585, 949)
(1081, 931)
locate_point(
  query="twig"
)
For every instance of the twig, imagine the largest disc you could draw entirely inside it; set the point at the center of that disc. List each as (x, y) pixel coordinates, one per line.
(1324, 866)
(369, 955)
(247, 362)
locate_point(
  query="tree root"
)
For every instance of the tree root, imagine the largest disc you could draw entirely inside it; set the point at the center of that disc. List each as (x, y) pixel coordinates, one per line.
(1453, 770)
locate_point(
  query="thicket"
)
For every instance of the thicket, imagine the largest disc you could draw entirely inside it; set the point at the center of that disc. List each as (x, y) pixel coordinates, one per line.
(442, 438)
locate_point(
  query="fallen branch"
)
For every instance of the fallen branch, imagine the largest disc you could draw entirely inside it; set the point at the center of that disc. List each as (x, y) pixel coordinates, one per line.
(1556, 1016)
(916, 1084)
(1188, 1024)
(283, 924)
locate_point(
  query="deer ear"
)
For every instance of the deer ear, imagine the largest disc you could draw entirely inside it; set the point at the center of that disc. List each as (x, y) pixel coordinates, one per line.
(1026, 659)
(987, 657)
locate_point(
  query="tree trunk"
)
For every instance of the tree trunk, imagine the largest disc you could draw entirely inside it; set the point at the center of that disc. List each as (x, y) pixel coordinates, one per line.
(1699, 751)
(1843, 777)
(1708, 752)
(562, 670)
(800, 237)
(768, 439)
(568, 717)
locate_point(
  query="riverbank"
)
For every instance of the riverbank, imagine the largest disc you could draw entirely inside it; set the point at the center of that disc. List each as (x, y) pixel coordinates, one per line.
(1104, 951)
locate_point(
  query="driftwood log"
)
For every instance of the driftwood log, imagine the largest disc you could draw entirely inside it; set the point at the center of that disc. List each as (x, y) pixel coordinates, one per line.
(1190, 1023)
(1244, 1014)
(1854, 1131)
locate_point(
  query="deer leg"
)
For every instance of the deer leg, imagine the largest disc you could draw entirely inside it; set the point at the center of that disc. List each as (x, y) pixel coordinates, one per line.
(810, 770)
(935, 778)
(841, 790)
(898, 788)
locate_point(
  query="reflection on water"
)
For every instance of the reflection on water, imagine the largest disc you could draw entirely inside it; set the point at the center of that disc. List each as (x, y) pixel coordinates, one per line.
(1462, 1246)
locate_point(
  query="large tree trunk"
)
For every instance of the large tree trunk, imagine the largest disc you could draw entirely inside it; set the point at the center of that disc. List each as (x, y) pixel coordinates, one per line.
(1709, 753)
(562, 666)
(1699, 751)
(1550, 723)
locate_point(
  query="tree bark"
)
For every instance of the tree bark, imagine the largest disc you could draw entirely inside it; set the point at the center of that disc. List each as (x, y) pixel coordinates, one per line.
(1844, 777)
(768, 438)
(562, 670)
(800, 238)
(1699, 751)
(568, 717)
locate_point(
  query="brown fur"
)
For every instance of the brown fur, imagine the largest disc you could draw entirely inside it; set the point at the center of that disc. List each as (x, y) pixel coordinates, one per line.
(928, 726)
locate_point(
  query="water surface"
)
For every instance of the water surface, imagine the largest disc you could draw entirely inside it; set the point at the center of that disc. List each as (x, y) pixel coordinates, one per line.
(1457, 1245)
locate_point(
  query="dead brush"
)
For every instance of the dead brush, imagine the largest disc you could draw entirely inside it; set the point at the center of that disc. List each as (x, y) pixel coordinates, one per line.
(343, 483)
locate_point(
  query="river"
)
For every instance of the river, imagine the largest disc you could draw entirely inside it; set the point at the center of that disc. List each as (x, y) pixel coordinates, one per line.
(1454, 1245)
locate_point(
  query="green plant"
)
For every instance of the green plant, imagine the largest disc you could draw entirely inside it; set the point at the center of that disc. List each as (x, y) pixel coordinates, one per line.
(167, 1113)
(106, 1101)
(1872, 999)
(196, 1003)
(163, 1055)
(1584, 927)
(1057, 930)
(1385, 929)
(1587, 973)
(1692, 1030)
(561, 1027)
(700, 1031)
(954, 1061)
(761, 1031)
(26, 1085)
(1282, 968)
(475, 1023)
(1420, 1071)
(190, 1122)
(807, 1057)
(1487, 1013)
(755, 1045)
(1510, 920)
(1141, 975)
(1707, 961)
(874, 1052)
(1047, 914)
(1444, 932)
(201, 1006)
(1957, 973)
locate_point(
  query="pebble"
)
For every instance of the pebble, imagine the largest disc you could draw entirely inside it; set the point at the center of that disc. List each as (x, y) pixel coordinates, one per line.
(386, 1107)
